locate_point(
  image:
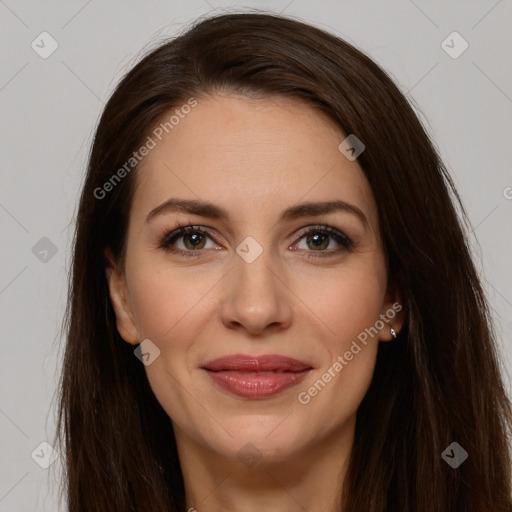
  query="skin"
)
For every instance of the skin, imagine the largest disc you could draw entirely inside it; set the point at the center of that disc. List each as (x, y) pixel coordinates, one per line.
(255, 158)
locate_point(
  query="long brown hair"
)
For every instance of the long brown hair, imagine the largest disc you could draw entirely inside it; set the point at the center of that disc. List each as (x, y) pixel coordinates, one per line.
(438, 383)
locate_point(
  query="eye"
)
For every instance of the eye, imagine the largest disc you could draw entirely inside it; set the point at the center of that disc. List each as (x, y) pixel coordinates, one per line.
(186, 240)
(192, 240)
(321, 239)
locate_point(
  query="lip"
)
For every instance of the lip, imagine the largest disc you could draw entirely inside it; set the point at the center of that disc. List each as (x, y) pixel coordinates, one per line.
(256, 376)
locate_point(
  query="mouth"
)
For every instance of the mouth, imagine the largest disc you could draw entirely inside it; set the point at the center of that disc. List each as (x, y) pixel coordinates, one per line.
(256, 376)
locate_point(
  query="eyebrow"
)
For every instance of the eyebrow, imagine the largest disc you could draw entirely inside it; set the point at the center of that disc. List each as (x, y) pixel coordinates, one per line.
(212, 211)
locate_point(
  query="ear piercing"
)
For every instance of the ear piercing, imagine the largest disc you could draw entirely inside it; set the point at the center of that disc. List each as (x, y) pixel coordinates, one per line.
(393, 332)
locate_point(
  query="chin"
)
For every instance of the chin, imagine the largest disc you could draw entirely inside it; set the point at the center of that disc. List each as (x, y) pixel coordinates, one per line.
(259, 436)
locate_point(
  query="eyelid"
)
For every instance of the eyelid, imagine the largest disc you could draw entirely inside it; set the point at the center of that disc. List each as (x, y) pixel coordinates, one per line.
(180, 231)
(320, 228)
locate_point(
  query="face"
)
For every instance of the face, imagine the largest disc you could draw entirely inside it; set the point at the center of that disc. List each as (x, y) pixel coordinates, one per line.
(278, 254)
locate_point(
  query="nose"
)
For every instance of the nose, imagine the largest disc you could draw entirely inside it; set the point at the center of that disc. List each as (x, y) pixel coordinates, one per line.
(256, 298)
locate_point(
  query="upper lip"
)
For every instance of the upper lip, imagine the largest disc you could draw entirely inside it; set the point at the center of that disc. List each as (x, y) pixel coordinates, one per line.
(267, 362)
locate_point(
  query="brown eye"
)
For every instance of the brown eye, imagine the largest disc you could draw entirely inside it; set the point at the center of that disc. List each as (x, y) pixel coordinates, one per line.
(323, 240)
(187, 241)
(194, 241)
(317, 241)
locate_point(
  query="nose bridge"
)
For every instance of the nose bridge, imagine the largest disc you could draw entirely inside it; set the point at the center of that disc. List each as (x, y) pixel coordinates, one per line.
(254, 279)
(253, 268)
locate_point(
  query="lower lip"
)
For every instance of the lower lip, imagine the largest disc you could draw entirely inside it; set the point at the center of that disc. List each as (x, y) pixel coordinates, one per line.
(251, 385)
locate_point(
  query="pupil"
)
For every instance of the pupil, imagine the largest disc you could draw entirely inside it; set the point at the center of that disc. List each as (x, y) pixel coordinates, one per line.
(194, 239)
(318, 240)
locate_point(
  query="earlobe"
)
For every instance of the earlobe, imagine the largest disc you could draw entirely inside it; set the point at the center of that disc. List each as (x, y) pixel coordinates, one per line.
(120, 300)
(392, 315)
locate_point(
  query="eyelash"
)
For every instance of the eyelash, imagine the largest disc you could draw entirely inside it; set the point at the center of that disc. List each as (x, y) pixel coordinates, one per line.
(346, 243)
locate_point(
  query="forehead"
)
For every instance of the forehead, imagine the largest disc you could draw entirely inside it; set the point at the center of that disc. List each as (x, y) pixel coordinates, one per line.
(242, 152)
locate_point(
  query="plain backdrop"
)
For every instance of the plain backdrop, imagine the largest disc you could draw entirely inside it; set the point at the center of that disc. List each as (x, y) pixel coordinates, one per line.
(50, 107)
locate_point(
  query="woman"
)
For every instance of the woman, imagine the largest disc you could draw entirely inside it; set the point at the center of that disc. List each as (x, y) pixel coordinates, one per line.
(272, 302)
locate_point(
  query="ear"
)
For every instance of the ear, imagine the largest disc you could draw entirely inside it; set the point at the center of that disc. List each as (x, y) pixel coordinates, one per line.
(120, 299)
(392, 314)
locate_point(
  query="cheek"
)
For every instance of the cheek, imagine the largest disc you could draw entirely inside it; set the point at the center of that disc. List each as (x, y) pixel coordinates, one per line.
(348, 304)
(347, 301)
(164, 299)
(171, 309)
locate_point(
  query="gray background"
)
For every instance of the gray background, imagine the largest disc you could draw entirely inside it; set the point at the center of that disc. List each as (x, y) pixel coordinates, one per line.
(50, 108)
